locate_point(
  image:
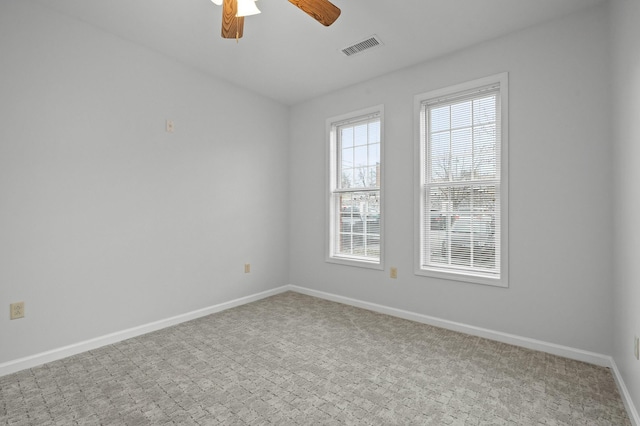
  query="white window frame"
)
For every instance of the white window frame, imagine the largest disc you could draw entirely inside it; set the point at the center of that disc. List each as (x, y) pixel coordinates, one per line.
(420, 172)
(332, 186)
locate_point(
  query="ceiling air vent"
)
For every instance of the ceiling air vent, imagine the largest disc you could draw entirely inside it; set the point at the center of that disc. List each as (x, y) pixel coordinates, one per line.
(361, 46)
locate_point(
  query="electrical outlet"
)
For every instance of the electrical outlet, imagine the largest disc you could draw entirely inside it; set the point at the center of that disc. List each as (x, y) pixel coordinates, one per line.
(636, 347)
(16, 310)
(247, 268)
(394, 272)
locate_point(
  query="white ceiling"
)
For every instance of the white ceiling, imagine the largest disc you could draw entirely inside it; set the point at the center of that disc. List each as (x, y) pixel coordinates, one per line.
(288, 56)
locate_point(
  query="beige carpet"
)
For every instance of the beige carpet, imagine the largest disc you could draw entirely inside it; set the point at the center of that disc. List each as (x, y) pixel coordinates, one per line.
(293, 359)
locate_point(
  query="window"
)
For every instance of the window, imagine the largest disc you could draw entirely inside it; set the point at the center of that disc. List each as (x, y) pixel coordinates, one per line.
(462, 190)
(355, 188)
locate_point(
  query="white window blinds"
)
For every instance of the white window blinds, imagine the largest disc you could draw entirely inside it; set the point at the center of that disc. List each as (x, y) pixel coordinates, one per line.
(355, 189)
(460, 183)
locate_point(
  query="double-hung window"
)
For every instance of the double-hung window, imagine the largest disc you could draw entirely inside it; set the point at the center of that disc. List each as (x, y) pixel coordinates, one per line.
(462, 185)
(355, 188)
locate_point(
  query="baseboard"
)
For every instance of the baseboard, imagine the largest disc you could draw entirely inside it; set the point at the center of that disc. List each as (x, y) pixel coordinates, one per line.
(538, 345)
(551, 348)
(624, 393)
(87, 345)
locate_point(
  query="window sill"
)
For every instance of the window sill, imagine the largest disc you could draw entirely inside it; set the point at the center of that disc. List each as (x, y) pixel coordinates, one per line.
(471, 278)
(359, 263)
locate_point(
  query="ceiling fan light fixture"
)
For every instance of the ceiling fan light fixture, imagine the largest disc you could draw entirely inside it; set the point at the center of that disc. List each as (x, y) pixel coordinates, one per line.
(234, 11)
(247, 8)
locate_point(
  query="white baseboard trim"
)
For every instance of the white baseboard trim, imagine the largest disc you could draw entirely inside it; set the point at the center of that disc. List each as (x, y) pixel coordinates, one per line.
(525, 342)
(551, 348)
(624, 393)
(87, 345)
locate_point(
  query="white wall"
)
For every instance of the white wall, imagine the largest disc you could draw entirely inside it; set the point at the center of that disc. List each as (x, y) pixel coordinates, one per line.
(108, 222)
(560, 199)
(625, 15)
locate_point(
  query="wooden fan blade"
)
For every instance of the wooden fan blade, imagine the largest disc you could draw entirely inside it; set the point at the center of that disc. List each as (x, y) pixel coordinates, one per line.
(322, 11)
(232, 26)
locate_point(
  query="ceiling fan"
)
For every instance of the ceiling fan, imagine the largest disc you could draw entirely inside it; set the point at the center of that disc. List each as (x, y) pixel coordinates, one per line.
(234, 11)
